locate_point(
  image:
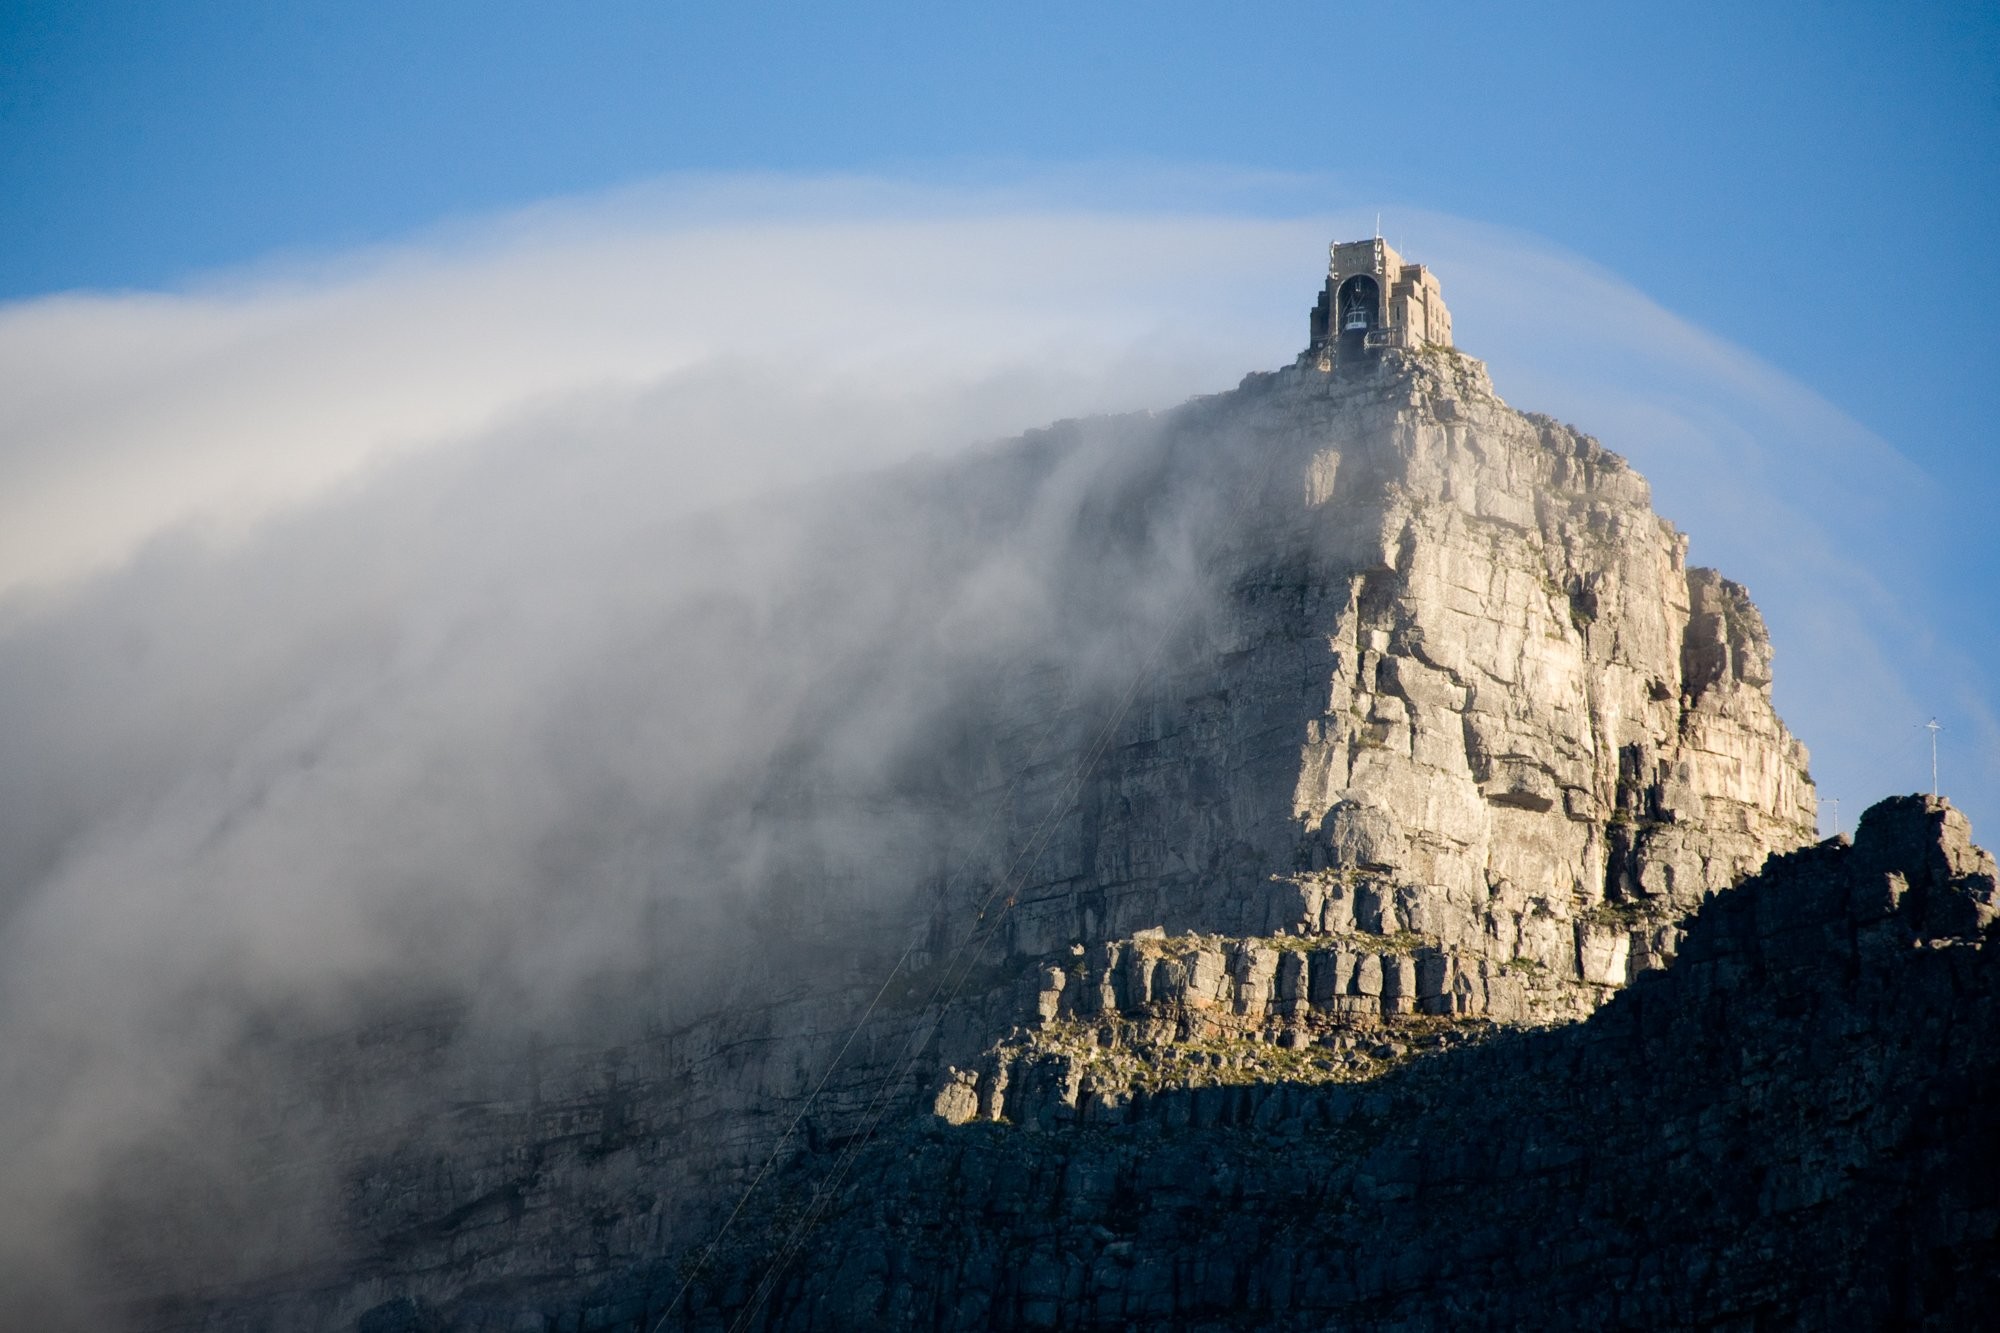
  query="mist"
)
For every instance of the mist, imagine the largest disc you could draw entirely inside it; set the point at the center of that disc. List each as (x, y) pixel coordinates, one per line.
(520, 616)
(556, 735)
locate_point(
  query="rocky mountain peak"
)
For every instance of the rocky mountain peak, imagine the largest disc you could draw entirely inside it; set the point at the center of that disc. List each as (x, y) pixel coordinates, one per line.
(1400, 723)
(1465, 686)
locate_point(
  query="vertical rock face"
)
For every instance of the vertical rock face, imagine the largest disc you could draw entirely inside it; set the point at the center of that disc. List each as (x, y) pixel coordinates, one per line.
(1792, 1127)
(1461, 682)
(1460, 738)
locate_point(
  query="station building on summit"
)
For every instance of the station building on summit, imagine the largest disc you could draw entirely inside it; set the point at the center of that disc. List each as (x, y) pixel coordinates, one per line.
(1373, 300)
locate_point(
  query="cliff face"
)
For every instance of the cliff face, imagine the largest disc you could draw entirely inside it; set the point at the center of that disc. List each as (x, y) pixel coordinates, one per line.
(1464, 739)
(1476, 667)
(1793, 1126)
(1436, 735)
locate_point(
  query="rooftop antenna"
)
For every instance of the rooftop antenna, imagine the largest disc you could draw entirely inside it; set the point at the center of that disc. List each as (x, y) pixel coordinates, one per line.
(1378, 226)
(1933, 728)
(1836, 815)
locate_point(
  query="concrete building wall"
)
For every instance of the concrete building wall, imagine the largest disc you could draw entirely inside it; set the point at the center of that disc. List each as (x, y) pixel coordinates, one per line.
(1411, 311)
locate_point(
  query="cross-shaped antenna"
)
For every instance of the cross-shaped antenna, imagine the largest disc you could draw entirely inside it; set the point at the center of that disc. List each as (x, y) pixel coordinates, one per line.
(1836, 815)
(1933, 728)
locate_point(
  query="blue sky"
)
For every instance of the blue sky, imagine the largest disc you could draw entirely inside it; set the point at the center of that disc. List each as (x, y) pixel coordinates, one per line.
(1815, 184)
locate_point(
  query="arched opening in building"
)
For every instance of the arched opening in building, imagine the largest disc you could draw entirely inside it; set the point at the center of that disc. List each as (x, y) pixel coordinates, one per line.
(1359, 306)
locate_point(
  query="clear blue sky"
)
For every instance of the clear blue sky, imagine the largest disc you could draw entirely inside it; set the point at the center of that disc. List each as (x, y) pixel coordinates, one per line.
(1819, 183)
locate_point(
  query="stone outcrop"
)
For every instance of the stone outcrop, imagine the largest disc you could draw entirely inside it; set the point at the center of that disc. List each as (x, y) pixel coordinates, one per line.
(1494, 693)
(1437, 738)
(1792, 1126)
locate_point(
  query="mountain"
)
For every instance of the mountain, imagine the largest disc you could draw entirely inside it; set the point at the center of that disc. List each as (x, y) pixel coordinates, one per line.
(1270, 860)
(1792, 1126)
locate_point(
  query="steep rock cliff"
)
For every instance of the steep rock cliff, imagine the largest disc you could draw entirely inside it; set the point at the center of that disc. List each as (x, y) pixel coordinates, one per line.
(1463, 740)
(1792, 1126)
(1475, 663)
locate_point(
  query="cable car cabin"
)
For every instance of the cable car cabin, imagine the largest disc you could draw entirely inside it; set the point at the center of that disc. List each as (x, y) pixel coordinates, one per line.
(1360, 304)
(1373, 300)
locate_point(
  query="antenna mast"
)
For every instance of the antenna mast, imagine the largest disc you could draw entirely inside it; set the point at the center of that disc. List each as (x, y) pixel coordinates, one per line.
(1933, 727)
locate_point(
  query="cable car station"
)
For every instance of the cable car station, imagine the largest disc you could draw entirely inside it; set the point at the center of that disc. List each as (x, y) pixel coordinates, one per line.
(1374, 300)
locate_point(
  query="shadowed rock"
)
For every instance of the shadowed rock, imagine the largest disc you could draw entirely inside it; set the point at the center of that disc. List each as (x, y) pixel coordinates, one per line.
(1792, 1126)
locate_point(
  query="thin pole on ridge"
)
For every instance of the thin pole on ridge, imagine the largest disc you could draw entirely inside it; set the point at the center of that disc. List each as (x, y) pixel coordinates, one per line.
(1933, 728)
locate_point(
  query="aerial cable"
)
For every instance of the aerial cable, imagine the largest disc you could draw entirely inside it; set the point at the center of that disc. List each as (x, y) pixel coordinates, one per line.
(975, 942)
(1036, 843)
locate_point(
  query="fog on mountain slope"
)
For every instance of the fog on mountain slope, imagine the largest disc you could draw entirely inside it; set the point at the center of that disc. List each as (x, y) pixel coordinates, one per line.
(495, 743)
(760, 767)
(132, 416)
(314, 709)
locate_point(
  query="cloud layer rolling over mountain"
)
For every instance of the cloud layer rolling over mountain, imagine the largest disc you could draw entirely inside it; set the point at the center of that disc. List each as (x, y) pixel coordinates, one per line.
(418, 621)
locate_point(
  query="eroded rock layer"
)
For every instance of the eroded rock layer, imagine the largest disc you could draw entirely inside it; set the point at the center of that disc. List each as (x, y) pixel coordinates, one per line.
(1793, 1126)
(1476, 665)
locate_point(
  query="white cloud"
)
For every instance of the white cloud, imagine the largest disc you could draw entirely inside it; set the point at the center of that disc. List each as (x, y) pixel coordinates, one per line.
(129, 415)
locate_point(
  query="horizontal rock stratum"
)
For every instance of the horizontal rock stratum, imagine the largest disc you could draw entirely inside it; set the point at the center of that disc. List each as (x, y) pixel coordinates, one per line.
(1793, 1126)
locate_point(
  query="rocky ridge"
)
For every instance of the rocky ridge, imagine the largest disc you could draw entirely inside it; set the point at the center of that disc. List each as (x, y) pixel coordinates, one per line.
(1477, 661)
(1526, 740)
(1793, 1125)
